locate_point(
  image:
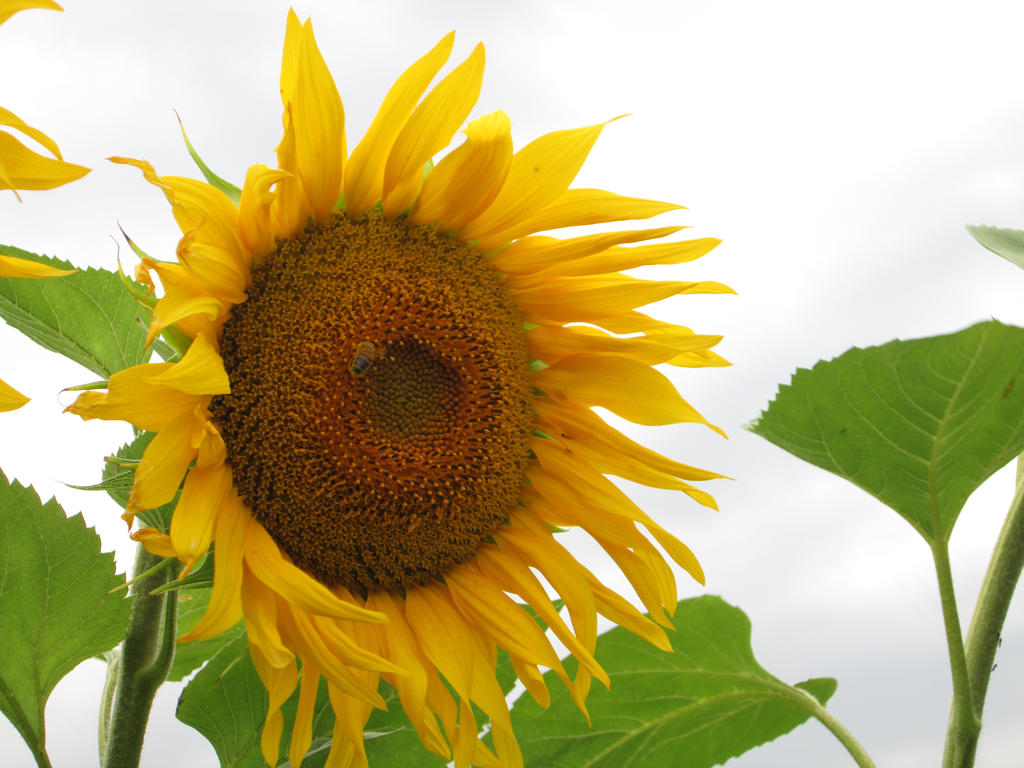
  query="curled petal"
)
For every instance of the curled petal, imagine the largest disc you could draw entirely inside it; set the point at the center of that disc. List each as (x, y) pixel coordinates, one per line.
(163, 465)
(131, 396)
(467, 179)
(254, 220)
(199, 372)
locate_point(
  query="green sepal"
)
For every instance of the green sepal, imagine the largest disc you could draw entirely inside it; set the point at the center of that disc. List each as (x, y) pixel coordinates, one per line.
(120, 482)
(200, 577)
(87, 387)
(229, 189)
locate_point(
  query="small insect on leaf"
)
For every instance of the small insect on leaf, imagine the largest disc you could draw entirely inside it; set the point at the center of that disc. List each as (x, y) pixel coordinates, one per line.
(1008, 390)
(362, 358)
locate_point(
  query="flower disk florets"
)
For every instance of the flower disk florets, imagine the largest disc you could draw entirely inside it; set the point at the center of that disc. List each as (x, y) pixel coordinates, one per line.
(379, 419)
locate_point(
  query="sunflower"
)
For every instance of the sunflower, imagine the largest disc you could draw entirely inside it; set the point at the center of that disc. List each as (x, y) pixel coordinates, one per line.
(21, 168)
(386, 407)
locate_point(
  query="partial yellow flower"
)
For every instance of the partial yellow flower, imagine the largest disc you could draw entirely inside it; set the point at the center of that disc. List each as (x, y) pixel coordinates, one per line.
(21, 167)
(387, 408)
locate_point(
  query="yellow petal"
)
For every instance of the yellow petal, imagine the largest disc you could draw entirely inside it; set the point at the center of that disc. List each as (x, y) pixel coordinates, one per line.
(254, 220)
(581, 426)
(193, 314)
(10, 398)
(489, 608)
(260, 610)
(621, 259)
(582, 207)
(463, 657)
(199, 372)
(430, 129)
(163, 465)
(294, 584)
(540, 172)
(131, 397)
(468, 179)
(613, 606)
(302, 635)
(598, 490)
(400, 646)
(194, 516)
(580, 299)
(210, 250)
(319, 123)
(155, 542)
(201, 207)
(350, 716)
(225, 606)
(341, 645)
(632, 390)
(279, 682)
(551, 343)
(10, 119)
(302, 727)
(534, 254)
(10, 7)
(290, 208)
(514, 575)
(653, 591)
(290, 56)
(364, 172)
(21, 168)
(11, 266)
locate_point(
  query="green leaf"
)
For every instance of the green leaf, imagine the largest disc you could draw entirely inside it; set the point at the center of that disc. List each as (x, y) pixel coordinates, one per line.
(118, 479)
(390, 738)
(56, 605)
(1008, 243)
(89, 317)
(227, 703)
(190, 656)
(700, 706)
(918, 424)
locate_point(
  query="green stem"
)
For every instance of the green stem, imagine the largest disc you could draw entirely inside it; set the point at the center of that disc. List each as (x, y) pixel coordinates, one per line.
(146, 655)
(857, 752)
(39, 753)
(963, 724)
(1004, 570)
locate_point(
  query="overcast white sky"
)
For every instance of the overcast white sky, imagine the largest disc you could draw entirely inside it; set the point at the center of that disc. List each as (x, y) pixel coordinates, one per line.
(838, 149)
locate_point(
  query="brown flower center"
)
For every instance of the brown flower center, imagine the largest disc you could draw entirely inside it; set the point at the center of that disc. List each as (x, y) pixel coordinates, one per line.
(379, 418)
